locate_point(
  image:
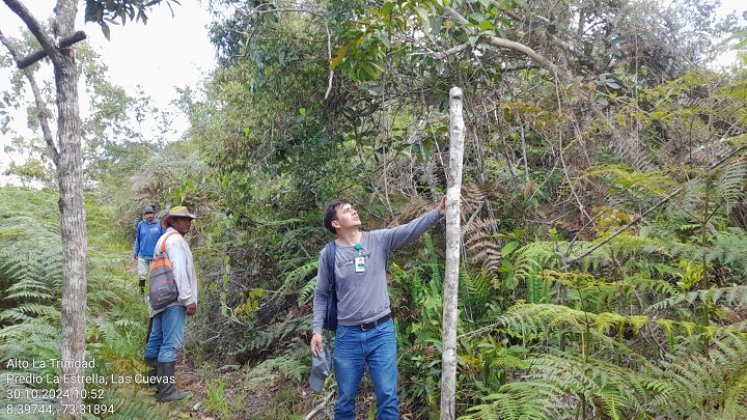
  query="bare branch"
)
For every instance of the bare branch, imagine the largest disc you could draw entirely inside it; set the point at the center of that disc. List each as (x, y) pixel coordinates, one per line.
(559, 42)
(41, 106)
(36, 29)
(310, 415)
(38, 55)
(441, 55)
(258, 10)
(515, 46)
(303, 9)
(329, 55)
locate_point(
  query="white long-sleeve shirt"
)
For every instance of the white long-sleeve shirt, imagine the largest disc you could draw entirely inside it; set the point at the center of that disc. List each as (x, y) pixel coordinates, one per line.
(183, 265)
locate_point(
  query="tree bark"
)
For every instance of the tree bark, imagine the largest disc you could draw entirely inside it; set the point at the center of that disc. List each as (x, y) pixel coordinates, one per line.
(453, 238)
(69, 165)
(73, 225)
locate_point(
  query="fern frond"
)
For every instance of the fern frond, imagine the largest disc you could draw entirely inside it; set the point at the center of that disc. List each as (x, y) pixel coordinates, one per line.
(30, 310)
(295, 278)
(306, 291)
(483, 248)
(533, 257)
(478, 287)
(532, 321)
(731, 184)
(28, 294)
(556, 385)
(276, 336)
(734, 400)
(517, 400)
(726, 296)
(474, 195)
(716, 379)
(653, 183)
(27, 329)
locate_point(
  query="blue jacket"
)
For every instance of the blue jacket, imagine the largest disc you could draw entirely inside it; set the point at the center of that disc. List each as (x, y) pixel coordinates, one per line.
(146, 236)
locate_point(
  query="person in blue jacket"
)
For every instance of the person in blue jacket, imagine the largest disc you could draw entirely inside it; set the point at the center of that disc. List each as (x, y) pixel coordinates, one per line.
(146, 235)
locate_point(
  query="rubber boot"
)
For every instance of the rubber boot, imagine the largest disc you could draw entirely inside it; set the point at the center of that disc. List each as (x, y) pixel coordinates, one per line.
(167, 383)
(152, 372)
(141, 284)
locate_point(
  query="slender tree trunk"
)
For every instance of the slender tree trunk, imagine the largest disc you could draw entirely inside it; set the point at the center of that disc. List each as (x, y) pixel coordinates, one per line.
(72, 213)
(453, 238)
(69, 162)
(74, 233)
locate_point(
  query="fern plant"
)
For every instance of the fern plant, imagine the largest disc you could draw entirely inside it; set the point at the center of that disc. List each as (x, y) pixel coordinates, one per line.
(30, 277)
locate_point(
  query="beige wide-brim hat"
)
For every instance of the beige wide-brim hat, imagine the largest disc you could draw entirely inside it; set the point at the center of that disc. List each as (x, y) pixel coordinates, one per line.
(178, 211)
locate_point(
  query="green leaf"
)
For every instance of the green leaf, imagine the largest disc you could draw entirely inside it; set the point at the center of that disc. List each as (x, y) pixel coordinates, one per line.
(105, 30)
(415, 151)
(338, 58)
(509, 248)
(422, 14)
(387, 9)
(435, 24)
(613, 85)
(477, 17)
(383, 38)
(371, 70)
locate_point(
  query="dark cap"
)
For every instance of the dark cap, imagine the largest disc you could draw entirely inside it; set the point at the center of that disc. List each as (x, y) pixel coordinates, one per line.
(148, 209)
(321, 367)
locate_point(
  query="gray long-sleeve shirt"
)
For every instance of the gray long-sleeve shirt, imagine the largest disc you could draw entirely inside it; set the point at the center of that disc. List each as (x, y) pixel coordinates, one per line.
(363, 297)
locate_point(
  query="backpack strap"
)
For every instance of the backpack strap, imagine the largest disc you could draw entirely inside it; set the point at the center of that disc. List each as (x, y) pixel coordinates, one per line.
(329, 252)
(163, 244)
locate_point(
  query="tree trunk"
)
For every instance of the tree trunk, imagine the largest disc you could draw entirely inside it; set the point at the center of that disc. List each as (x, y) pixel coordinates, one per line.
(453, 239)
(72, 214)
(74, 234)
(69, 163)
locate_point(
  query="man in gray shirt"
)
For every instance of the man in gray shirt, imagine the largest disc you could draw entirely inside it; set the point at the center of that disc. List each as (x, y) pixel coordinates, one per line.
(365, 332)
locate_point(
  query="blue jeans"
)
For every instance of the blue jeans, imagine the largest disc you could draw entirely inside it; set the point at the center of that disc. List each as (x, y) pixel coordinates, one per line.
(166, 334)
(354, 349)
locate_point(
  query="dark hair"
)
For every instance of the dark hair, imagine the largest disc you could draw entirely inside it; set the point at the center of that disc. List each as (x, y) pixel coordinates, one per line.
(330, 214)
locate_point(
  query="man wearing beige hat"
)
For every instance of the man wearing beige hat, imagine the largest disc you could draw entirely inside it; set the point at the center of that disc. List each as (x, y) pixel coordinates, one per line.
(167, 330)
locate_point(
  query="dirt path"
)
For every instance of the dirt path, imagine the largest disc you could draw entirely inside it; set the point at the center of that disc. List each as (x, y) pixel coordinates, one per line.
(277, 399)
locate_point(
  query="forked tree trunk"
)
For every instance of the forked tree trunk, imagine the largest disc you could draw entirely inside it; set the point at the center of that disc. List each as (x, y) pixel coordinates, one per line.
(68, 159)
(453, 243)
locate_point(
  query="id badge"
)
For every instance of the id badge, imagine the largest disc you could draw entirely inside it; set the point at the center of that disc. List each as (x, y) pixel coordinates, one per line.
(360, 264)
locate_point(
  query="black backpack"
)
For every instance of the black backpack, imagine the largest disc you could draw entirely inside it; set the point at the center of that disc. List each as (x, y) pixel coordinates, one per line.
(330, 316)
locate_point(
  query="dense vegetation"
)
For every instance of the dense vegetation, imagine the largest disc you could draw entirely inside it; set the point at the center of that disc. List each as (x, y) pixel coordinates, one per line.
(30, 279)
(604, 209)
